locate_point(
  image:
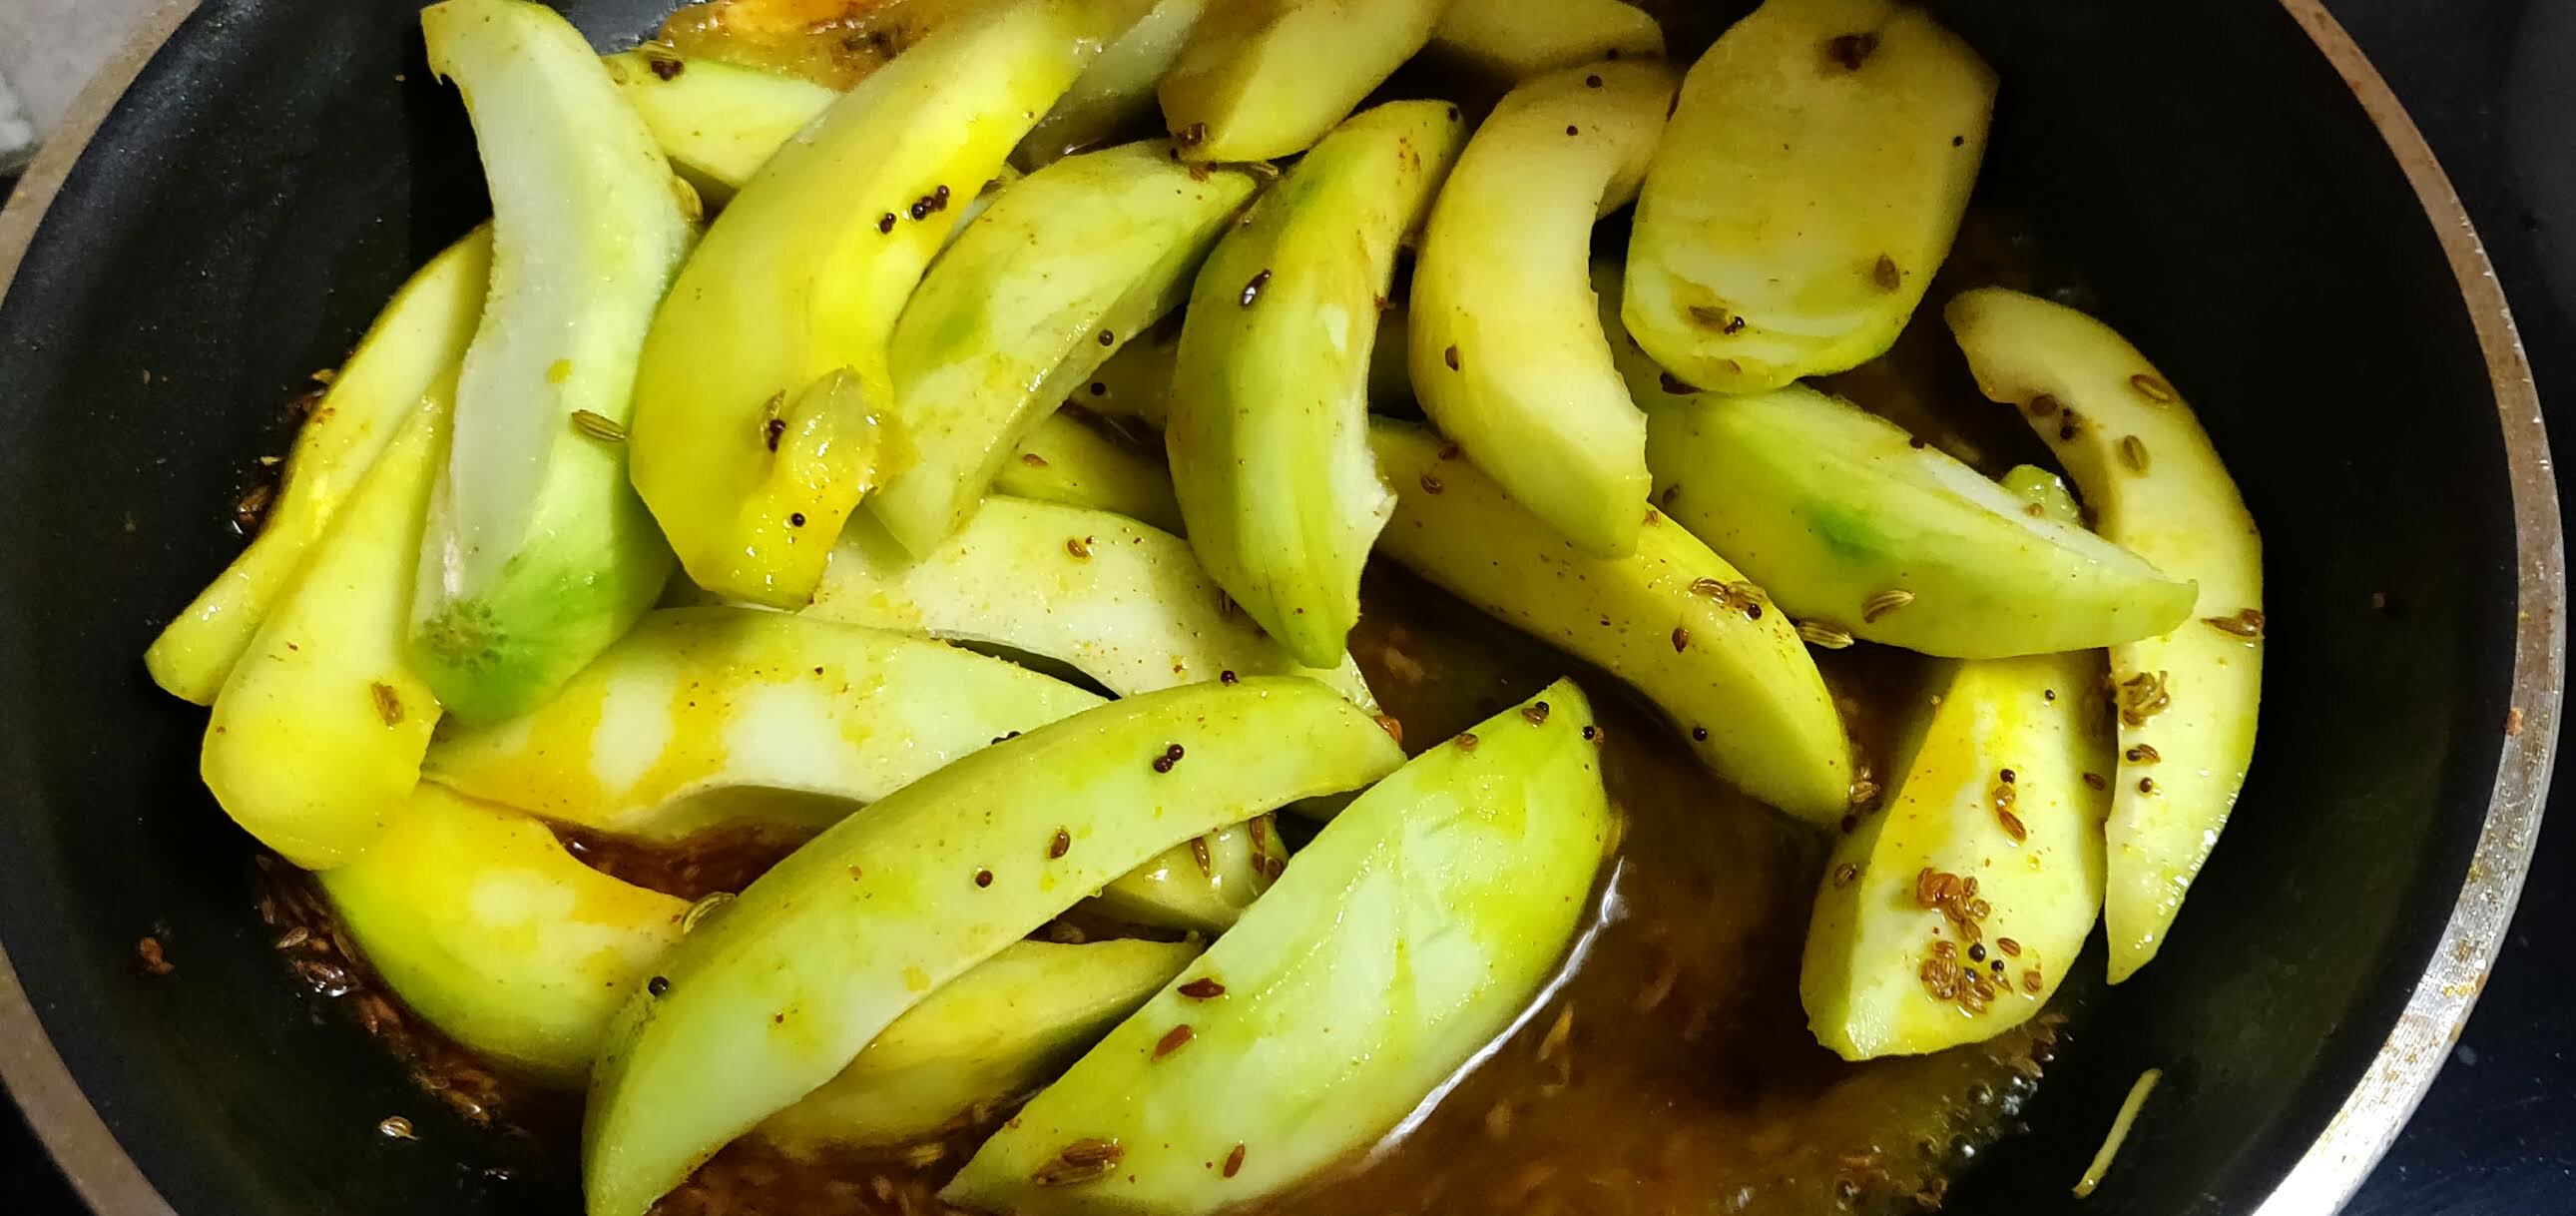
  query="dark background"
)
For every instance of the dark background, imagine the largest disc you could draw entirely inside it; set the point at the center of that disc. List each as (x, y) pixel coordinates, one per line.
(2493, 84)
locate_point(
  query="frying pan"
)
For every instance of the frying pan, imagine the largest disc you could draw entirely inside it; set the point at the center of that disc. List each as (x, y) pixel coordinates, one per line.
(2245, 197)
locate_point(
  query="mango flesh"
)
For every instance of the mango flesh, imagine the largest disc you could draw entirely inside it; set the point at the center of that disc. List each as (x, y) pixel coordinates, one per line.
(1835, 512)
(1071, 463)
(316, 739)
(1268, 428)
(1203, 886)
(759, 410)
(1812, 180)
(1414, 928)
(1518, 39)
(1118, 88)
(1673, 619)
(1032, 297)
(1507, 351)
(2188, 700)
(1265, 78)
(772, 997)
(417, 340)
(538, 554)
(703, 717)
(718, 122)
(1995, 785)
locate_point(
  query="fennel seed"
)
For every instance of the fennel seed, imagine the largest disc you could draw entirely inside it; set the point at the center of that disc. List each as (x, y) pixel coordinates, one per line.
(598, 426)
(1884, 602)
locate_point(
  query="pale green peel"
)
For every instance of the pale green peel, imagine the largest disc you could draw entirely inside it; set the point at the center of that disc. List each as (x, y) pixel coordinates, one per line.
(538, 554)
(705, 717)
(1508, 354)
(1066, 461)
(777, 993)
(1801, 204)
(2189, 699)
(1672, 618)
(1033, 296)
(1413, 929)
(1265, 78)
(1268, 430)
(418, 339)
(987, 1036)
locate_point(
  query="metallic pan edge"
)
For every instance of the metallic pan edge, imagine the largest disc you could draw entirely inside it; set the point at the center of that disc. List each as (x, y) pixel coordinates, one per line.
(2353, 1141)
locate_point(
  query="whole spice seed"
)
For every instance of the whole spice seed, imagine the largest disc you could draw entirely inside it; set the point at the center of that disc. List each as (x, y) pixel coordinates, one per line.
(251, 506)
(398, 1128)
(2146, 785)
(1846, 874)
(1699, 734)
(1204, 988)
(2133, 453)
(389, 706)
(2095, 781)
(2247, 623)
(2030, 982)
(1826, 636)
(1225, 677)
(1450, 356)
(1033, 460)
(886, 222)
(1234, 1161)
(598, 426)
(1591, 733)
(2011, 948)
(2143, 696)
(1173, 1040)
(1171, 756)
(1080, 1161)
(983, 878)
(2012, 826)
(1199, 855)
(1884, 602)
(149, 955)
(772, 431)
(2043, 406)
(1430, 484)
(1466, 741)
(2144, 753)
(1885, 274)
(1061, 845)
(2154, 389)
(1395, 729)
(1252, 290)
(1535, 712)
(1079, 546)
(1681, 638)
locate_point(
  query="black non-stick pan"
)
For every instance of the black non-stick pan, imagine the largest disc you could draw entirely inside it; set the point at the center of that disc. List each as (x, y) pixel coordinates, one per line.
(2246, 201)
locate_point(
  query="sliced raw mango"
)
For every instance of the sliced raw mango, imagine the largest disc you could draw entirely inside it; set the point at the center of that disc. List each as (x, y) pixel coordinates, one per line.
(538, 554)
(1518, 39)
(1033, 296)
(2188, 699)
(1136, 382)
(771, 998)
(418, 339)
(998, 1031)
(1117, 90)
(316, 740)
(1121, 602)
(1847, 520)
(1416, 927)
(1268, 430)
(1507, 351)
(1811, 182)
(1951, 913)
(1202, 886)
(1672, 618)
(704, 717)
(718, 122)
(1069, 462)
(1265, 78)
(759, 410)
(484, 925)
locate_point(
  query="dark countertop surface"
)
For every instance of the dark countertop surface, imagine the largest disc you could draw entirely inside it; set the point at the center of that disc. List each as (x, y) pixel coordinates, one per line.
(2493, 85)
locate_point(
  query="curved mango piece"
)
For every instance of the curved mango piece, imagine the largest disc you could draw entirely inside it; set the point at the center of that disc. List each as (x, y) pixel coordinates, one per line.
(1070, 463)
(1265, 78)
(718, 122)
(1118, 88)
(1518, 39)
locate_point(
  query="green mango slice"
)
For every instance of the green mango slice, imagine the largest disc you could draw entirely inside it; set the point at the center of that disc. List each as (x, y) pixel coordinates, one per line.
(1993, 789)
(759, 412)
(1413, 929)
(1136, 382)
(718, 122)
(1518, 39)
(317, 736)
(1066, 461)
(1203, 886)
(2188, 700)
(417, 340)
(998, 1031)
(1811, 182)
(1034, 295)
(481, 921)
(771, 998)
(703, 717)
(1117, 90)
(1121, 602)
(1672, 618)
(1265, 78)
(1268, 429)
(538, 554)
(1847, 520)
(1508, 355)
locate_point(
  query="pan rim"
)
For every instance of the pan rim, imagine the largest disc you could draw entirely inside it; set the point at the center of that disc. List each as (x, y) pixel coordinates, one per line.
(2363, 1127)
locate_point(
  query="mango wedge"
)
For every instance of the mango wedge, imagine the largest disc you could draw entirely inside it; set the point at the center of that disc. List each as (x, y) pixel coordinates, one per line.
(775, 995)
(2188, 699)
(1673, 619)
(1847, 521)
(419, 338)
(994, 1033)
(316, 740)
(759, 410)
(1136, 382)
(1265, 78)
(1033, 296)
(1811, 182)
(1508, 355)
(1518, 39)
(1121, 602)
(1117, 89)
(1953, 911)
(1203, 886)
(718, 122)
(485, 926)
(1268, 430)
(538, 554)
(715, 716)
(1416, 926)
(1066, 461)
